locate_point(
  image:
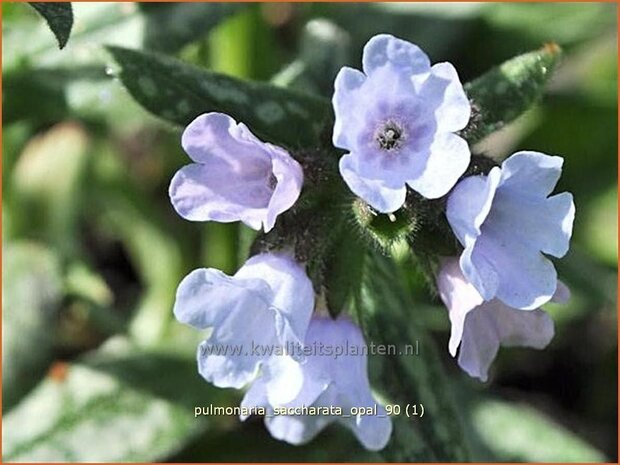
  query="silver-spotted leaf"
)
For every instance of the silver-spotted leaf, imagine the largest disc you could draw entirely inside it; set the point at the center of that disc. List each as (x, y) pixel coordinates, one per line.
(178, 92)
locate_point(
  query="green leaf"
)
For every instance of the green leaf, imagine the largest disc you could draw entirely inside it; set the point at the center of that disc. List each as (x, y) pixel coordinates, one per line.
(31, 291)
(178, 92)
(517, 433)
(343, 272)
(59, 17)
(170, 26)
(120, 405)
(506, 91)
(403, 378)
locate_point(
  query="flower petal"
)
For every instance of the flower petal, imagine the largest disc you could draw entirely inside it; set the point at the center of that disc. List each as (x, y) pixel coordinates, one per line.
(212, 138)
(526, 278)
(228, 358)
(300, 429)
(293, 294)
(480, 271)
(494, 323)
(544, 224)
(290, 383)
(562, 293)
(469, 204)
(255, 396)
(373, 431)
(447, 160)
(404, 56)
(459, 296)
(207, 296)
(382, 197)
(203, 193)
(349, 375)
(531, 172)
(290, 178)
(443, 93)
(349, 121)
(239, 312)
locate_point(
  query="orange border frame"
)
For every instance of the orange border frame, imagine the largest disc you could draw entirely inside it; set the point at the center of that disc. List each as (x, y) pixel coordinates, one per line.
(342, 1)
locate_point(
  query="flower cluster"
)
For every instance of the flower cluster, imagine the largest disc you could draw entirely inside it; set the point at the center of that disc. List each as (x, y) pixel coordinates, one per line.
(269, 304)
(255, 316)
(505, 221)
(398, 121)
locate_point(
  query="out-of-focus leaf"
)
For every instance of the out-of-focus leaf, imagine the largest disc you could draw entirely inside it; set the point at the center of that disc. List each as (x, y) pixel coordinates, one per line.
(59, 17)
(170, 26)
(22, 93)
(121, 405)
(324, 49)
(14, 138)
(231, 48)
(583, 133)
(13, 11)
(405, 378)
(505, 92)
(598, 282)
(85, 283)
(27, 45)
(46, 182)
(178, 92)
(430, 9)
(31, 288)
(221, 243)
(517, 433)
(44, 89)
(439, 35)
(590, 73)
(601, 227)
(72, 84)
(334, 444)
(125, 213)
(7, 221)
(565, 23)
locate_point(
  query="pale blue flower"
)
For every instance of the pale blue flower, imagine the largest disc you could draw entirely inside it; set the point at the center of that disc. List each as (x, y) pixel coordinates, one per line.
(506, 221)
(322, 380)
(266, 304)
(480, 327)
(397, 120)
(235, 176)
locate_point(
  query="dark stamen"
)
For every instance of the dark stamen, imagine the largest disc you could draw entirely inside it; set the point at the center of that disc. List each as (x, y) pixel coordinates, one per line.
(273, 181)
(390, 137)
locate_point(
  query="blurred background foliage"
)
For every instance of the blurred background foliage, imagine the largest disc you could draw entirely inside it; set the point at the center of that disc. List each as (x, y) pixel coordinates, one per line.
(94, 366)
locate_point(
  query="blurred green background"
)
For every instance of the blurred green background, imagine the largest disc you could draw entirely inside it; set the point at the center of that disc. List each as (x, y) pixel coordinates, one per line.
(94, 366)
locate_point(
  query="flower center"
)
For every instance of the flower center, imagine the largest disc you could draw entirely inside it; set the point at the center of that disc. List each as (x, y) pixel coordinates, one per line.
(390, 136)
(272, 182)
